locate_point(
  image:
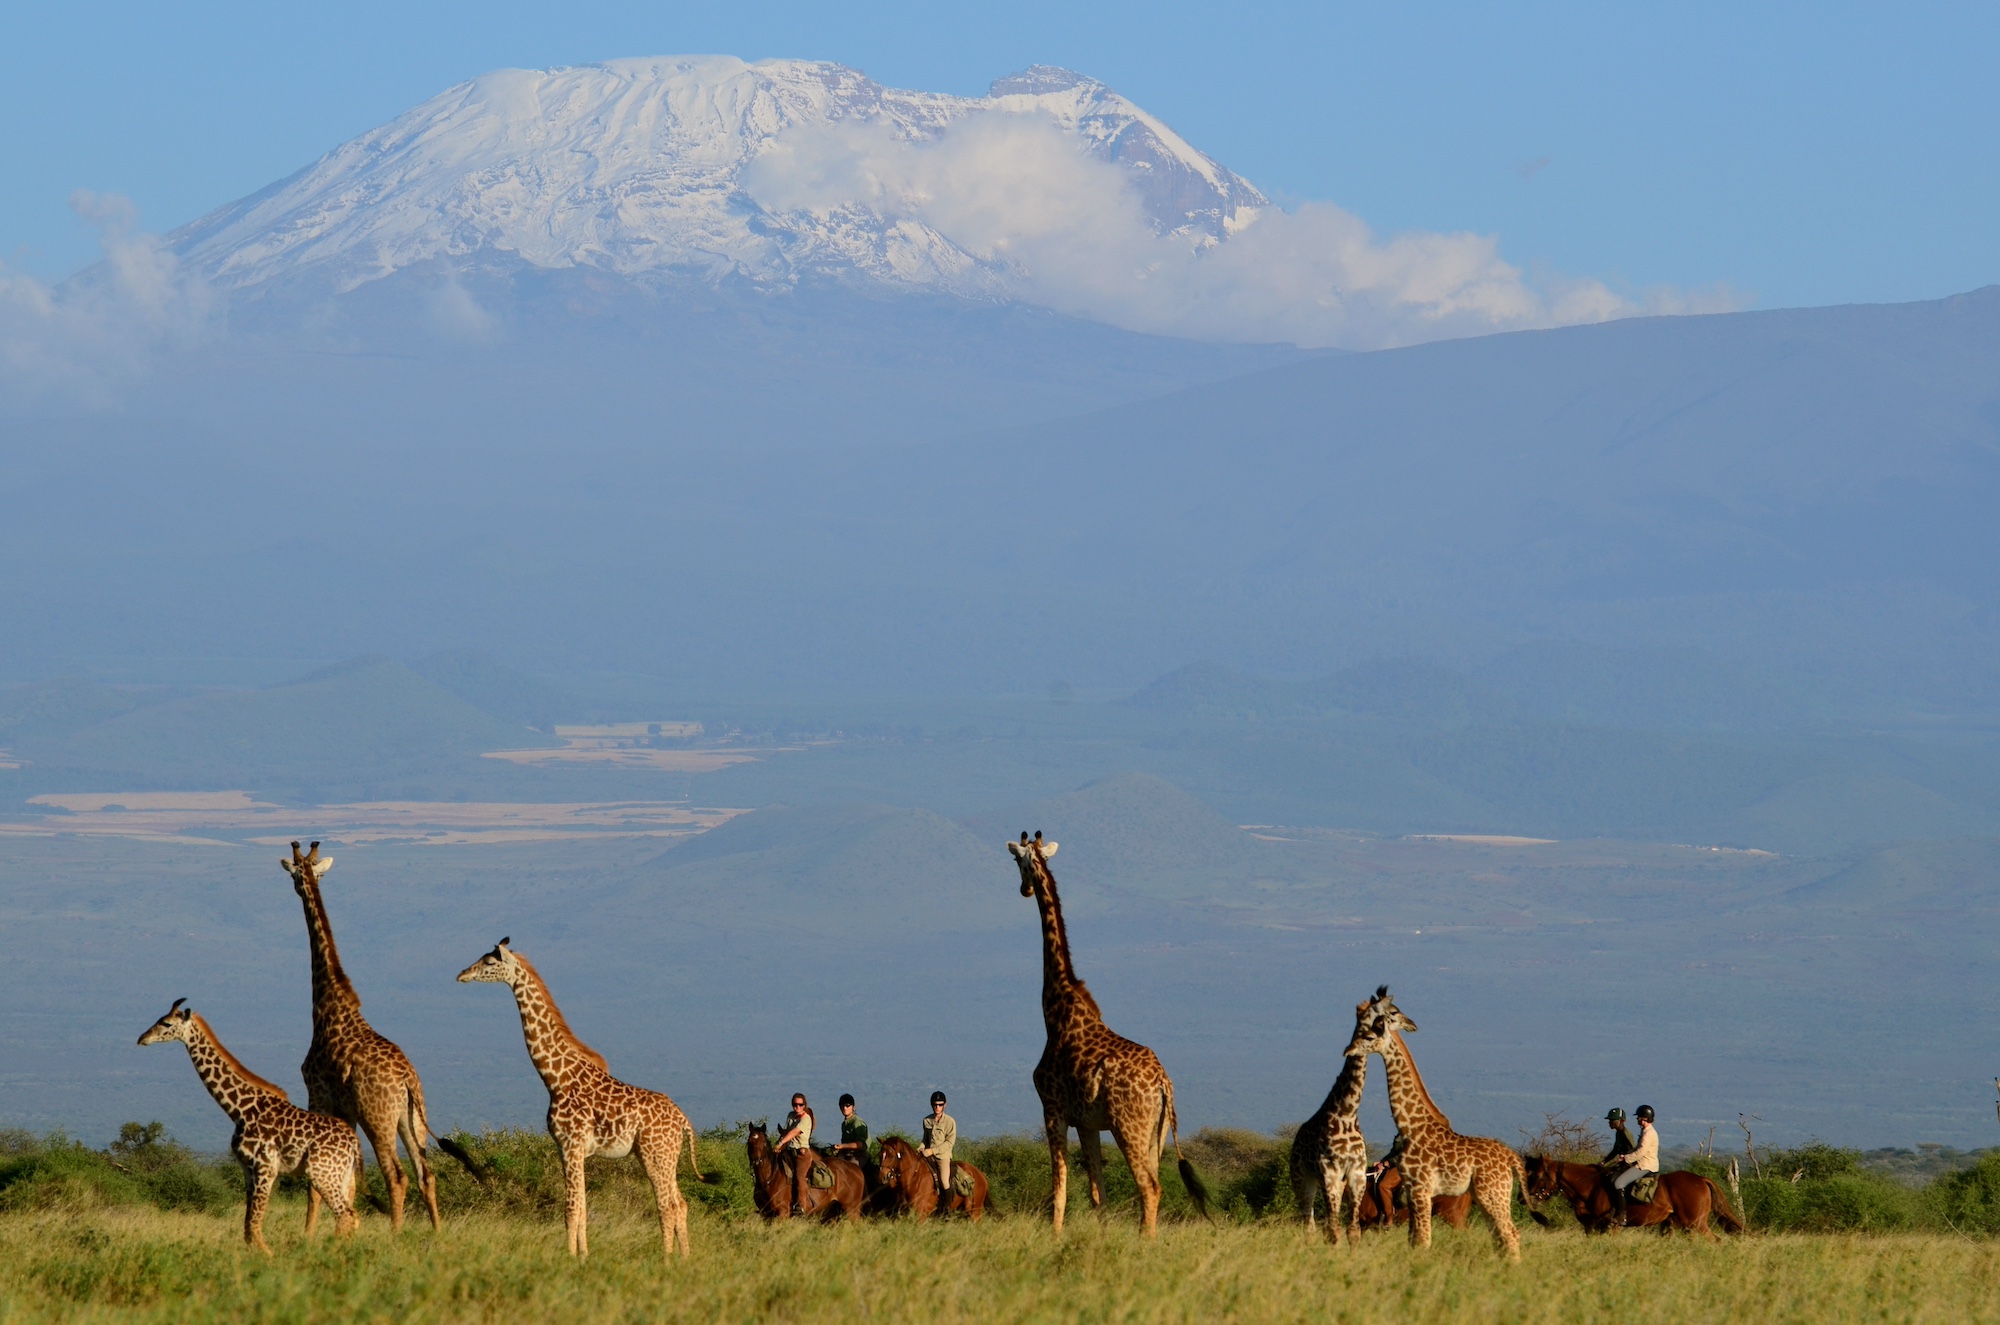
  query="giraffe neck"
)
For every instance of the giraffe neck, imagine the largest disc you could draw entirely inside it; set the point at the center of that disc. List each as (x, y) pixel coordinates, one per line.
(234, 1086)
(1064, 997)
(554, 1050)
(1344, 1100)
(332, 993)
(1414, 1110)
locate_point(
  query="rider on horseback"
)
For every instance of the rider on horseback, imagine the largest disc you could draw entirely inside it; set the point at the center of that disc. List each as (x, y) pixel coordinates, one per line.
(940, 1135)
(797, 1138)
(1621, 1142)
(1642, 1162)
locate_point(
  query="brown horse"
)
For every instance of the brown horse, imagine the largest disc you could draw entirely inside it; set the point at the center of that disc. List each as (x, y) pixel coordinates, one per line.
(1380, 1207)
(773, 1175)
(911, 1184)
(1684, 1200)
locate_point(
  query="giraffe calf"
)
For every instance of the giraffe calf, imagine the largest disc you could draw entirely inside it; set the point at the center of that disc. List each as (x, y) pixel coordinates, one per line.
(273, 1136)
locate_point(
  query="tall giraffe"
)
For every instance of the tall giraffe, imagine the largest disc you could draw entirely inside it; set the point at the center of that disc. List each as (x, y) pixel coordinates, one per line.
(1436, 1160)
(352, 1072)
(591, 1112)
(1329, 1153)
(1090, 1078)
(273, 1135)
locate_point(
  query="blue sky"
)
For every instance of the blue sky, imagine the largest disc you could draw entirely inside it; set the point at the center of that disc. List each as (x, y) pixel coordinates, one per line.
(1800, 154)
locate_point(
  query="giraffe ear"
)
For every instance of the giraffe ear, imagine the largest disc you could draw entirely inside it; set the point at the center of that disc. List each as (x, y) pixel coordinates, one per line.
(1014, 849)
(322, 865)
(1048, 849)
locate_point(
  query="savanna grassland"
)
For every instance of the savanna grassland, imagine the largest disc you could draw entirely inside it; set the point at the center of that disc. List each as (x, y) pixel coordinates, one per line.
(147, 1231)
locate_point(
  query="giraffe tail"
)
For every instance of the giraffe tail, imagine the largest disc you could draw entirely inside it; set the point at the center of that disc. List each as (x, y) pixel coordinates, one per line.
(1197, 1190)
(417, 1126)
(1521, 1174)
(477, 1167)
(694, 1160)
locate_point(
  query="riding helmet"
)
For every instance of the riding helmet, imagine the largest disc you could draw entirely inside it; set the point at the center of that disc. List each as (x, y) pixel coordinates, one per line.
(1646, 1112)
(1615, 1116)
(846, 1100)
(937, 1097)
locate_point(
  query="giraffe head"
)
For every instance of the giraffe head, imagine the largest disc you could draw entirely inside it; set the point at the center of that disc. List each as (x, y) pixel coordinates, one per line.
(1030, 856)
(1375, 1021)
(499, 966)
(307, 869)
(178, 1024)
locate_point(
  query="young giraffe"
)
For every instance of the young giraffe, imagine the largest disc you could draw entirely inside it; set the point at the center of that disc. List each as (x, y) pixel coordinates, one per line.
(1089, 1078)
(1436, 1160)
(591, 1112)
(273, 1136)
(1329, 1154)
(351, 1071)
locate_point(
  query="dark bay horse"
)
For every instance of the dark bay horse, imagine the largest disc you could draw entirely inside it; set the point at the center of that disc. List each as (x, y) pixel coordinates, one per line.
(1380, 1209)
(773, 1179)
(1684, 1200)
(911, 1185)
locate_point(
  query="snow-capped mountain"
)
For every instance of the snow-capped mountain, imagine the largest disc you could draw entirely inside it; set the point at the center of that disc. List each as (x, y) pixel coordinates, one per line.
(648, 167)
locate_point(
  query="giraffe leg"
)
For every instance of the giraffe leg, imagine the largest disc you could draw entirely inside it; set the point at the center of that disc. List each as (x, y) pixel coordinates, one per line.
(1357, 1188)
(1092, 1143)
(383, 1139)
(575, 1214)
(332, 1179)
(263, 1177)
(1496, 1197)
(1330, 1183)
(1144, 1161)
(413, 1129)
(661, 1158)
(1420, 1187)
(1303, 1192)
(312, 1208)
(1058, 1134)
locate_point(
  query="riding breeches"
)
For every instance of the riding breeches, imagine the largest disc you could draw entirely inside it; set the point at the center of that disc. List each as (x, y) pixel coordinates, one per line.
(1630, 1176)
(941, 1166)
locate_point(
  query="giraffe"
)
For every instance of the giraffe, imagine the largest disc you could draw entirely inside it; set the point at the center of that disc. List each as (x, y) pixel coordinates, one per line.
(591, 1112)
(1329, 1150)
(1090, 1078)
(273, 1135)
(1436, 1160)
(351, 1071)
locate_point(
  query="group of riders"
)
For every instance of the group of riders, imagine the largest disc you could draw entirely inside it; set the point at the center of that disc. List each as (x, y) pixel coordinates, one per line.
(1625, 1166)
(940, 1135)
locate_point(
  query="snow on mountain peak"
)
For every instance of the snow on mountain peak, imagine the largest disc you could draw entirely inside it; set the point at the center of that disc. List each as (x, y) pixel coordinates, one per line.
(678, 164)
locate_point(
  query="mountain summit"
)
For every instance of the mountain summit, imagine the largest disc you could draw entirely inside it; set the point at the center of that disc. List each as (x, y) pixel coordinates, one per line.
(708, 167)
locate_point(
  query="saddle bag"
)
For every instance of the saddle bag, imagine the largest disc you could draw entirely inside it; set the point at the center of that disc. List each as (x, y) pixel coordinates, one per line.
(820, 1178)
(961, 1181)
(1643, 1191)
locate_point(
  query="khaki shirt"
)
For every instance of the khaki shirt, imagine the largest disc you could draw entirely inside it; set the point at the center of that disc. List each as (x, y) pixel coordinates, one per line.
(940, 1135)
(1647, 1156)
(804, 1122)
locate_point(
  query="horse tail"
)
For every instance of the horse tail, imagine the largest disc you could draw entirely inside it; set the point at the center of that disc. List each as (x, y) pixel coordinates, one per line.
(1719, 1207)
(1197, 1190)
(694, 1160)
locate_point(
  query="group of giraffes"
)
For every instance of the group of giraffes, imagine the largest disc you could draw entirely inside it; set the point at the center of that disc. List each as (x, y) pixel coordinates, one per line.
(1089, 1079)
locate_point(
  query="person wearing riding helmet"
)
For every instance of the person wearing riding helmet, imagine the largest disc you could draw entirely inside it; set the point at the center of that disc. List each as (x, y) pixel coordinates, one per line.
(940, 1135)
(1621, 1141)
(853, 1133)
(797, 1137)
(1643, 1162)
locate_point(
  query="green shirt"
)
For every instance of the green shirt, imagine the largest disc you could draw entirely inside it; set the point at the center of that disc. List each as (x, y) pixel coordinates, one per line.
(854, 1132)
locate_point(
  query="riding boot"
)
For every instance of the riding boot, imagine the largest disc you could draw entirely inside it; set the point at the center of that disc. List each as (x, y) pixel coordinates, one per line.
(1617, 1207)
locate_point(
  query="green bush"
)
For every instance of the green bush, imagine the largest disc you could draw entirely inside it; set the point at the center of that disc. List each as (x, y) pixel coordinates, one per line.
(1968, 1200)
(144, 1166)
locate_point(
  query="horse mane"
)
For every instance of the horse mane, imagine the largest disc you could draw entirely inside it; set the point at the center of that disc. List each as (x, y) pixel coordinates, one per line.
(235, 1064)
(556, 1014)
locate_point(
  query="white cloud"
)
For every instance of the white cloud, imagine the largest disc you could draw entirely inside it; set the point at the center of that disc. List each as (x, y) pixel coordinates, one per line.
(78, 341)
(1052, 225)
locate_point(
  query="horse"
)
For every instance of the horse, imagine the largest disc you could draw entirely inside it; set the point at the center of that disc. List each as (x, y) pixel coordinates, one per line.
(911, 1184)
(774, 1189)
(1684, 1200)
(1380, 1208)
